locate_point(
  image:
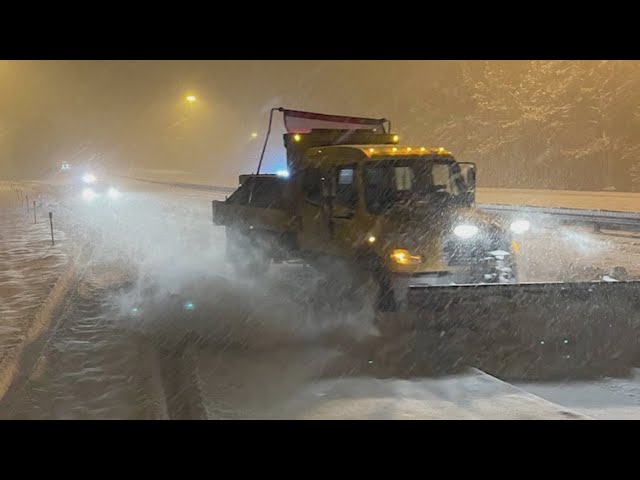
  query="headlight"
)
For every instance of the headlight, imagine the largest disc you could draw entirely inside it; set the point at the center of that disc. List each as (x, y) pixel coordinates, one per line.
(403, 257)
(113, 192)
(89, 178)
(88, 194)
(520, 226)
(465, 231)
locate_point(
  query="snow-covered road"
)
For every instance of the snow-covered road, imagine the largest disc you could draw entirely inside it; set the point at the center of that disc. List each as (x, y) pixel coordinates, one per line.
(33, 273)
(605, 399)
(88, 365)
(156, 272)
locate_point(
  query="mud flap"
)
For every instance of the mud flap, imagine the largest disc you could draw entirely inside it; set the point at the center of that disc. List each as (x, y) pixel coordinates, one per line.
(532, 330)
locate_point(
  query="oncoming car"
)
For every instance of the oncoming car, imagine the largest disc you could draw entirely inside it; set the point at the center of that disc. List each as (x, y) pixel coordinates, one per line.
(94, 188)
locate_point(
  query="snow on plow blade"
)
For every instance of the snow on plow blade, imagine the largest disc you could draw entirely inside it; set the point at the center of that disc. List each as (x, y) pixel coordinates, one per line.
(531, 330)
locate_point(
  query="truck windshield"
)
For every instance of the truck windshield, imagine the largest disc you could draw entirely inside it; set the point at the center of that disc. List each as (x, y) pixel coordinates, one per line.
(389, 183)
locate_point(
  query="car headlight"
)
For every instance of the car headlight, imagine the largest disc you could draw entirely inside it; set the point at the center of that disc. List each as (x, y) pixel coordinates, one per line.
(465, 231)
(520, 226)
(88, 194)
(89, 178)
(113, 192)
(403, 257)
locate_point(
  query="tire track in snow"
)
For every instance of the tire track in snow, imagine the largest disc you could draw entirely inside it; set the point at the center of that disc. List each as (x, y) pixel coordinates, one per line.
(89, 365)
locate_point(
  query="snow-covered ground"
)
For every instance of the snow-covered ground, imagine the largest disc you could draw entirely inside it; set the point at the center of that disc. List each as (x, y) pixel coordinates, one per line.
(33, 273)
(606, 399)
(616, 201)
(94, 362)
(88, 366)
(567, 253)
(294, 383)
(157, 269)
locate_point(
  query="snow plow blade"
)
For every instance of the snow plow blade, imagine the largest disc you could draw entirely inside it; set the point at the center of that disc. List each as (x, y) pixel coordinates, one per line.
(529, 330)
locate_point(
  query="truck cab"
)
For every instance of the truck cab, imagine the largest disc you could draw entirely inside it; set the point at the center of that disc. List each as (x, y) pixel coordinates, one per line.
(408, 210)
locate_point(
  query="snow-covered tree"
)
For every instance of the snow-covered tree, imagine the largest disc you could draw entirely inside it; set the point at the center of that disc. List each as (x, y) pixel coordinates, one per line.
(551, 124)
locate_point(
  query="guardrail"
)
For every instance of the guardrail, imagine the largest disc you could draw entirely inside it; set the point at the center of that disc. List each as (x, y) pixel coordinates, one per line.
(599, 219)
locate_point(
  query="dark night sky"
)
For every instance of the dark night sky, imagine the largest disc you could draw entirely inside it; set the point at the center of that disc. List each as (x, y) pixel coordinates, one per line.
(133, 112)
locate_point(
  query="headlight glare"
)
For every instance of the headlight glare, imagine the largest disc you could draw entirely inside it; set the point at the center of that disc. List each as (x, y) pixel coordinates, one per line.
(465, 231)
(520, 226)
(89, 178)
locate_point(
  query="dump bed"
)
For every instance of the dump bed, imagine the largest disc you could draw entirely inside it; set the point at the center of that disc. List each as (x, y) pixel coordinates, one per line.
(259, 203)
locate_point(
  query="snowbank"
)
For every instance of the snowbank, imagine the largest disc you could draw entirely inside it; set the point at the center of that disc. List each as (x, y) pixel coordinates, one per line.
(617, 201)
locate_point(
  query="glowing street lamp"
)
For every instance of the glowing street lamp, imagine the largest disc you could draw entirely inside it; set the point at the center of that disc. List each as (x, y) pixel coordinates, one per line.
(254, 135)
(191, 98)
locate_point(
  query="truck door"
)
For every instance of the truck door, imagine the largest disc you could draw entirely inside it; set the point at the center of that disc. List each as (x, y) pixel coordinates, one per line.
(314, 212)
(342, 222)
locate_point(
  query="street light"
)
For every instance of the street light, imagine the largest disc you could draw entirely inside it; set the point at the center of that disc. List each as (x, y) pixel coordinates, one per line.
(191, 98)
(254, 135)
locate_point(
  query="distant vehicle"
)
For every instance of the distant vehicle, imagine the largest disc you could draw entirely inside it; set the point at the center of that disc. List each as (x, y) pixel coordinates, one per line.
(66, 166)
(94, 188)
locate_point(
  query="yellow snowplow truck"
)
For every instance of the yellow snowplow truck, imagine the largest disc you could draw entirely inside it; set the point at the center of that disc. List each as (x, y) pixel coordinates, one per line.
(398, 225)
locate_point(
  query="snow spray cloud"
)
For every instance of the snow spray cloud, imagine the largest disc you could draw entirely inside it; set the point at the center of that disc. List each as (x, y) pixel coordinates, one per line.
(180, 282)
